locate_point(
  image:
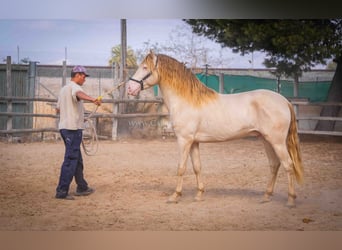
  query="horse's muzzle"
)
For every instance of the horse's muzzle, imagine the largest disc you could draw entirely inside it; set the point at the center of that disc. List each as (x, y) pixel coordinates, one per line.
(133, 88)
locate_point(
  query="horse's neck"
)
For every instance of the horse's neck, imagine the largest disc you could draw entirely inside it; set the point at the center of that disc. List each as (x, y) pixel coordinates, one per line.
(169, 96)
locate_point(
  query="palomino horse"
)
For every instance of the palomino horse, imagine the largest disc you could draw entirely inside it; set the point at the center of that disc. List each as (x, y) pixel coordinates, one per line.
(199, 114)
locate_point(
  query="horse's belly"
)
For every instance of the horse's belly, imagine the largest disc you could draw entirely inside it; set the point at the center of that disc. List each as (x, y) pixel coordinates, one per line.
(218, 130)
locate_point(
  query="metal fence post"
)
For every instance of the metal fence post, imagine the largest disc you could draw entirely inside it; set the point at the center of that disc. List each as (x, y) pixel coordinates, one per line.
(9, 94)
(64, 73)
(221, 83)
(32, 75)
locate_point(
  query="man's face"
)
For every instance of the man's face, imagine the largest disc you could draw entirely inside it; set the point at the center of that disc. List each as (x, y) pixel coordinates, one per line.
(80, 78)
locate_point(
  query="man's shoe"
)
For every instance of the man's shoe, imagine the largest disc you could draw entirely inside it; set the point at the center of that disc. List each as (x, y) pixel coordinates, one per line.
(88, 191)
(68, 197)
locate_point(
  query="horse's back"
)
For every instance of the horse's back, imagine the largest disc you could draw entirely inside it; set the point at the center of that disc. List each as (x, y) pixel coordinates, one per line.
(259, 110)
(263, 99)
(254, 99)
(269, 111)
(262, 94)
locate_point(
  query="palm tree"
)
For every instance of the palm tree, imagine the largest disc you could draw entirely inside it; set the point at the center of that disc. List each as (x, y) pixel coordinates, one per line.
(116, 56)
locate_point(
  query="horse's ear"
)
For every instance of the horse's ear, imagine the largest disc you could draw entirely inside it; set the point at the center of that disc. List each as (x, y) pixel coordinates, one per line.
(155, 59)
(151, 52)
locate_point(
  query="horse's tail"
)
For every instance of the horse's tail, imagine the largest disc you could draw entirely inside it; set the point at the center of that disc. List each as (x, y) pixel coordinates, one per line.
(293, 146)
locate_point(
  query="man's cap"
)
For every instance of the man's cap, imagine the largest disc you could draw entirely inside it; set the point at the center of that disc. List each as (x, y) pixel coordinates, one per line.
(79, 69)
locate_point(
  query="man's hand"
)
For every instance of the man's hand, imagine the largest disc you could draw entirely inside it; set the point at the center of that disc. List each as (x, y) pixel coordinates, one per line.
(98, 101)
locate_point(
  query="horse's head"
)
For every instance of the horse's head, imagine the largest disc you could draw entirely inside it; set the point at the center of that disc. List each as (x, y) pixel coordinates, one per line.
(145, 76)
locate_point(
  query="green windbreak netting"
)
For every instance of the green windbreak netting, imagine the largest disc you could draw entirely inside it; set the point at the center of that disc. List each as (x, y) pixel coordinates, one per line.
(314, 91)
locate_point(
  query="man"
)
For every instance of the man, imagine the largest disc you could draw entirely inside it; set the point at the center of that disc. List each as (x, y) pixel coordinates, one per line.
(70, 108)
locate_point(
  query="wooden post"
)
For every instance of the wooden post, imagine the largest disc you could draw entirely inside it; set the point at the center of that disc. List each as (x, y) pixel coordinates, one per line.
(295, 92)
(116, 72)
(64, 73)
(115, 105)
(123, 50)
(278, 84)
(123, 76)
(123, 66)
(221, 83)
(31, 91)
(115, 122)
(9, 94)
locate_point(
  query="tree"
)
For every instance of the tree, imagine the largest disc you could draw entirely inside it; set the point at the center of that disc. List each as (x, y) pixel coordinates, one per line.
(291, 46)
(187, 47)
(25, 60)
(334, 95)
(116, 56)
(331, 65)
(147, 46)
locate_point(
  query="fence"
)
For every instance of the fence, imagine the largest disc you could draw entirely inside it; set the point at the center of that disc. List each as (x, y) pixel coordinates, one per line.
(115, 116)
(28, 94)
(313, 119)
(16, 80)
(315, 90)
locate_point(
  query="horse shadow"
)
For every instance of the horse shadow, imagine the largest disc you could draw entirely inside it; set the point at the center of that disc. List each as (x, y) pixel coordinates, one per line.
(210, 193)
(234, 192)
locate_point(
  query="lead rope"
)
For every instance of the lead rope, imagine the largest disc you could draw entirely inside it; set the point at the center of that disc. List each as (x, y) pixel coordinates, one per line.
(90, 142)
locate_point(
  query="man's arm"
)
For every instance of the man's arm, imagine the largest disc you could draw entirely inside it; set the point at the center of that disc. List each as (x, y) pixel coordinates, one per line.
(83, 96)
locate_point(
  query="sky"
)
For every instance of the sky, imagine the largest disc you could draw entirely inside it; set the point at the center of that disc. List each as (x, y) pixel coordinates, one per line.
(89, 41)
(83, 32)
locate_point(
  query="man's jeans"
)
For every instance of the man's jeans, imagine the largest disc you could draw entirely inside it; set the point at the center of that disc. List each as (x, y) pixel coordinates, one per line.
(72, 164)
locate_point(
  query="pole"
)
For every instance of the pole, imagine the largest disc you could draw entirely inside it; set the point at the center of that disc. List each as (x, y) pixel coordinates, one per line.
(221, 83)
(295, 91)
(123, 50)
(9, 94)
(278, 84)
(31, 91)
(206, 74)
(123, 76)
(18, 54)
(64, 73)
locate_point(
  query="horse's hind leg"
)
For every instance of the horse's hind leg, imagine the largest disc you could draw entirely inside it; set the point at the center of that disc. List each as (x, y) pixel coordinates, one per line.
(274, 165)
(196, 163)
(184, 148)
(286, 162)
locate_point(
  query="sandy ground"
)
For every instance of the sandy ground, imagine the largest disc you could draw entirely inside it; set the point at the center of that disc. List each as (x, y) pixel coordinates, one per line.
(133, 179)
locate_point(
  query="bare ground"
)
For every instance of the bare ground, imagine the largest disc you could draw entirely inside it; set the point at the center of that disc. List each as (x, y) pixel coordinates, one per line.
(133, 179)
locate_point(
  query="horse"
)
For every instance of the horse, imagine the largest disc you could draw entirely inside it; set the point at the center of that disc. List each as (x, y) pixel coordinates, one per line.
(199, 114)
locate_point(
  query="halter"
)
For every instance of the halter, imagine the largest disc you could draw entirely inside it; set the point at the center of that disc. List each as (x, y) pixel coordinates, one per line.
(141, 82)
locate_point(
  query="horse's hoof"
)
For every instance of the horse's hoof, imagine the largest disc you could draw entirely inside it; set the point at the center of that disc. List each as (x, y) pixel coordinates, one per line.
(173, 198)
(290, 204)
(198, 198)
(266, 199)
(170, 201)
(263, 201)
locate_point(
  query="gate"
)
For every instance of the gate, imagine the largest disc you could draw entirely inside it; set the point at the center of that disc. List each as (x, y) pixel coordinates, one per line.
(17, 80)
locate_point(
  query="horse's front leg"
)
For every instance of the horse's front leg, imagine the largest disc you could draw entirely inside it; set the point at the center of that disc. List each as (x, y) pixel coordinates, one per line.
(196, 163)
(184, 148)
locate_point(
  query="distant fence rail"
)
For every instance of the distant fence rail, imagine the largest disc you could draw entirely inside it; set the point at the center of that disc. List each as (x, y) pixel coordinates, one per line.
(114, 115)
(318, 118)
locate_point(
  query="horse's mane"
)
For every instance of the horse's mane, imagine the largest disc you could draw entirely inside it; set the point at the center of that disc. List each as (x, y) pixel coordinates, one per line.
(176, 76)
